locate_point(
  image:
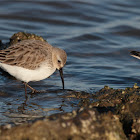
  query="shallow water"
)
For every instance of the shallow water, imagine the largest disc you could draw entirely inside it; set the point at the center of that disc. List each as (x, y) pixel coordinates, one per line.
(97, 36)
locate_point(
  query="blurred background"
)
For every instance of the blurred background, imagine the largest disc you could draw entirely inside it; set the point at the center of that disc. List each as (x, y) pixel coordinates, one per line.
(97, 36)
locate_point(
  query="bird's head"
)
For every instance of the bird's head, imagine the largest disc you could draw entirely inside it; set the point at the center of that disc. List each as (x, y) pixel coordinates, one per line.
(59, 58)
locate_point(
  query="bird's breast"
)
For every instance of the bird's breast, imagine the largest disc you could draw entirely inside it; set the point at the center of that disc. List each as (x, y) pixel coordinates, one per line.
(28, 75)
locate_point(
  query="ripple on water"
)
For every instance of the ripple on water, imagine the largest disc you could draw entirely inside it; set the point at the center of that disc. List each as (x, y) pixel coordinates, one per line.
(97, 36)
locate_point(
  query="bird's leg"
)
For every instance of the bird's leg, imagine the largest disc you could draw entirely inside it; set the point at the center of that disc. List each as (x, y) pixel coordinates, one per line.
(26, 85)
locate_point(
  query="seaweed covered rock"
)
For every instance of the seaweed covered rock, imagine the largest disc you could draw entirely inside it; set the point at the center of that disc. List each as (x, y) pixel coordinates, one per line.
(130, 116)
(125, 104)
(24, 36)
(84, 124)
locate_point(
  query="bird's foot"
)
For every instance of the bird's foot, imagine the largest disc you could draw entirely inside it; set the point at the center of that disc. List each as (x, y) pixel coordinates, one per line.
(33, 91)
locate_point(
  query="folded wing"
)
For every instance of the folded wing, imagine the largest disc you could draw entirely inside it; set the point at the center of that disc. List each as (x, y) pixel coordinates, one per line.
(27, 54)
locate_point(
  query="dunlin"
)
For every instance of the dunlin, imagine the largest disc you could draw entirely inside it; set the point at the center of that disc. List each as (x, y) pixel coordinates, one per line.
(135, 54)
(32, 60)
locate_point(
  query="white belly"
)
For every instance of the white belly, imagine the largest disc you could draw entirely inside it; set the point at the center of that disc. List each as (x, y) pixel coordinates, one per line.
(27, 75)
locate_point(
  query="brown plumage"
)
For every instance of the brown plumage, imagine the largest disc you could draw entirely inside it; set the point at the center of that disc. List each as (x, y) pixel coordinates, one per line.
(27, 54)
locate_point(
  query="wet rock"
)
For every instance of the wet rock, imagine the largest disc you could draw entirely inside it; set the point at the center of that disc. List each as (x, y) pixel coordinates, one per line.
(130, 117)
(85, 98)
(3, 46)
(17, 37)
(126, 104)
(83, 124)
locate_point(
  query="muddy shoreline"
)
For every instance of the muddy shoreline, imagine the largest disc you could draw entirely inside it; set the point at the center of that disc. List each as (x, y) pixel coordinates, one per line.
(114, 115)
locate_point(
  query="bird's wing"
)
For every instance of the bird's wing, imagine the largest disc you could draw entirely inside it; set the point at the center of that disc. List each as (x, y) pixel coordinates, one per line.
(27, 54)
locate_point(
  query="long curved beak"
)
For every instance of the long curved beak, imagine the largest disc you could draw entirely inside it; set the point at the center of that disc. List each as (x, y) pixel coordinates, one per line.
(61, 75)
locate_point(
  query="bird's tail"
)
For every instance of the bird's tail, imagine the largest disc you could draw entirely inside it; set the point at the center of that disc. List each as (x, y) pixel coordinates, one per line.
(135, 54)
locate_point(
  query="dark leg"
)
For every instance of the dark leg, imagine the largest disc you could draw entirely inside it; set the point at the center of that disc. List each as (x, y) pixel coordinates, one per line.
(33, 90)
(26, 85)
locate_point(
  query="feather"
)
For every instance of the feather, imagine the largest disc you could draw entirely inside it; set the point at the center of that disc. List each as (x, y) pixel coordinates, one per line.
(27, 54)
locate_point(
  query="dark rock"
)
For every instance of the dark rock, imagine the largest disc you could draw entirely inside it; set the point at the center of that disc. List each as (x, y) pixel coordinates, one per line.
(83, 124)
(17, 37)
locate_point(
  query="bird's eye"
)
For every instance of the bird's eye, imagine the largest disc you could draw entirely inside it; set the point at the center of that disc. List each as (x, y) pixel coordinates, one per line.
(59, 61)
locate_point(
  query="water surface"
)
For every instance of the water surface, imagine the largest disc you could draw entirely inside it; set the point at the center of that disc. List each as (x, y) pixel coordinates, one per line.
(97, 36)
